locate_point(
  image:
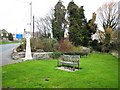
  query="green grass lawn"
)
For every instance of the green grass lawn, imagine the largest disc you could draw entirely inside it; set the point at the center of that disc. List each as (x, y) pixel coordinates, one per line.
(98, 71)
(3, 42)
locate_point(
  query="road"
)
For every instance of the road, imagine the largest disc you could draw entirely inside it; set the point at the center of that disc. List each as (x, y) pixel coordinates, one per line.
(5, 53)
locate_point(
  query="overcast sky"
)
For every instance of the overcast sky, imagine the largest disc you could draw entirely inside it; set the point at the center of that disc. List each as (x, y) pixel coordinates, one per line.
(15, 14)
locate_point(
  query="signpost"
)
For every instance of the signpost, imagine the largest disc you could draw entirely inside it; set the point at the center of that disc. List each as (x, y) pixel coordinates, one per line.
(19, 36)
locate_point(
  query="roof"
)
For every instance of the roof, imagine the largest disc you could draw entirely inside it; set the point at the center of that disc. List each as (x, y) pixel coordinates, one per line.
(3, 31)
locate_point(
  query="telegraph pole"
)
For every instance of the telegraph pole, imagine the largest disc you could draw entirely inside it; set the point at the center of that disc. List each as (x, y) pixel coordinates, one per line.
(33, 26)
(31, 18)
(34, 40)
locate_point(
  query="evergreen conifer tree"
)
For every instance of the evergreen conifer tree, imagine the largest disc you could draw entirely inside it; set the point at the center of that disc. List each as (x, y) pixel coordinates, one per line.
(59, 22)
(10, 36)
(77, 23)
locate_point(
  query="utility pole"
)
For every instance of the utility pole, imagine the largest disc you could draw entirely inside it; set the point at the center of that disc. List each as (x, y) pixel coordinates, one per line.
(31, 18)
(33, 26)
(34, 41)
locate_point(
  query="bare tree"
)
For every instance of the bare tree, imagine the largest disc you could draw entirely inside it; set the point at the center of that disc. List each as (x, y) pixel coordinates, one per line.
(44, 24)
(101, 36)
(108, 15)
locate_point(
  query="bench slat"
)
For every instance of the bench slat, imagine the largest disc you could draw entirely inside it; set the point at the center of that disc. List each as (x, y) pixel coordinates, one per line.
(72, 63)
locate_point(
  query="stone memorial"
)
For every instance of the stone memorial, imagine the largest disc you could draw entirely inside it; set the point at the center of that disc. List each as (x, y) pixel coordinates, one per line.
(28, 55)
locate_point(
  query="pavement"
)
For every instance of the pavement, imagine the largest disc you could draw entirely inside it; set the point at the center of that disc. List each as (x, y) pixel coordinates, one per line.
(5, 53)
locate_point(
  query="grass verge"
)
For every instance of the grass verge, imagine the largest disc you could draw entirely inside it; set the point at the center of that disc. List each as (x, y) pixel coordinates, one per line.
(3, 42)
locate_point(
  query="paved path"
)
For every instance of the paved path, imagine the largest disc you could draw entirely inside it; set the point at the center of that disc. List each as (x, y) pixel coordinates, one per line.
(5, 53)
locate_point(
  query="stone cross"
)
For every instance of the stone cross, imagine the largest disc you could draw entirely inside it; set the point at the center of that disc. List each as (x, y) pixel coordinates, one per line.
(28, 55)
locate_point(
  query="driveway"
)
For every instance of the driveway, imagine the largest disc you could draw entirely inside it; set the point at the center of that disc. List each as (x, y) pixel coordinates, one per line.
(5, 53)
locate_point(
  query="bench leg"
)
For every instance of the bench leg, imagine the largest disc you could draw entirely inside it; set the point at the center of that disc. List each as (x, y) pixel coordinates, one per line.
(73, 67)
(78, 66)
(57, 62)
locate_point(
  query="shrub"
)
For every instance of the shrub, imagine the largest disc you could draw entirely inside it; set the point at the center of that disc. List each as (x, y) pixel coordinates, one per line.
(55, 55)
(96, 46)
(39, 43)
(79, 51)
(65, 46)
(46, 44)
(24, 43)
(20, 48)
(10, 36)
(36, 43)
(72, 53)
(113, 46)
(49, 45)
(91, 49)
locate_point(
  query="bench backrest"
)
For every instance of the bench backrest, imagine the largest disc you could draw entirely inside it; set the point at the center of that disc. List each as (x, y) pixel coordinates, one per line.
(71, 58)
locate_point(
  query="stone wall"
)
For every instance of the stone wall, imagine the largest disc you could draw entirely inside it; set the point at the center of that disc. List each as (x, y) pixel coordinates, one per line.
(17, 55)
(42, 55)
(36, 55)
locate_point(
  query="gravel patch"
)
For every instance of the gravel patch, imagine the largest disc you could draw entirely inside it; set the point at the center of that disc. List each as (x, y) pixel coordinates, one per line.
(67, 69)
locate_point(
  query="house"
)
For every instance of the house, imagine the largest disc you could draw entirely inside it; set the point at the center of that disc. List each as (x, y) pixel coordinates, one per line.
(3, 34)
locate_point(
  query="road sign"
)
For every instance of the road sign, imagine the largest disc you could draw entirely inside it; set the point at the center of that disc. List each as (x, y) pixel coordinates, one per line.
(19, 36)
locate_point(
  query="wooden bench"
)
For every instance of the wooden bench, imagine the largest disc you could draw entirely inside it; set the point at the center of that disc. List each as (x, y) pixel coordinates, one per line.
(71, 60)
